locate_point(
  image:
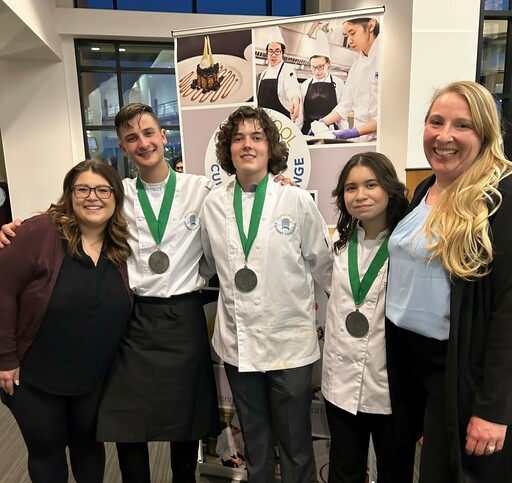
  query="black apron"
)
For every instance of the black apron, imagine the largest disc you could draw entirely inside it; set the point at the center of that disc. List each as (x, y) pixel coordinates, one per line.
(267, 95)
(319, 101)
(162, 386)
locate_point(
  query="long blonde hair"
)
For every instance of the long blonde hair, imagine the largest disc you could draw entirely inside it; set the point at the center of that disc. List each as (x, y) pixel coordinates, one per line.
(457, 228)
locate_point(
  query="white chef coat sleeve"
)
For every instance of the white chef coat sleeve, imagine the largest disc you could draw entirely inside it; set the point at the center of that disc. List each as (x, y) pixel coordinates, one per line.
(340, 86)
(345, 106)
(291, 84)
(316, 243)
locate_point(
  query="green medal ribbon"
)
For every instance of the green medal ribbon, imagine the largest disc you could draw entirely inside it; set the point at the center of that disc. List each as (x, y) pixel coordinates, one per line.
(257, 210)
(359, 287)
(157, 227)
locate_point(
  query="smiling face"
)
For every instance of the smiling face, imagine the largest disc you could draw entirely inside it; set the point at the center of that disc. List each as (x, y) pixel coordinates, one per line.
(450, 141)
(143, 142)
(92, 212)
(365, 199)
(360, 37)
(250, 153)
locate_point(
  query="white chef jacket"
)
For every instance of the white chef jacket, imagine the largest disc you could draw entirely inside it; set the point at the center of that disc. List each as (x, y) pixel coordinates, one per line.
(181, 240)
(361, 93)
(287, 86)
(273, 326)
(354, 374)
(340, 85)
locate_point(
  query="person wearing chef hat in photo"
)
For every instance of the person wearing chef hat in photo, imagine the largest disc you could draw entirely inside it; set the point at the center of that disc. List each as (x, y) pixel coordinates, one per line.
(360, 94)
(278, 87)
(322, 91)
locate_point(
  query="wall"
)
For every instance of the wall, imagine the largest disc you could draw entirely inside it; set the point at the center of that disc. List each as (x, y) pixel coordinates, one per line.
(427, 43)
(444, 49)
(39, 105)
(40, 120)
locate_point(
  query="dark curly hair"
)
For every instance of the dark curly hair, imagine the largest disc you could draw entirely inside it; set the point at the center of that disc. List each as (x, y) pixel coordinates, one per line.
(278, 149)
(63, 216)
(386, 176)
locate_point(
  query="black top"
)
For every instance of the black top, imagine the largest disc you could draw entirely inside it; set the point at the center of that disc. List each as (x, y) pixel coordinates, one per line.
(85, 320)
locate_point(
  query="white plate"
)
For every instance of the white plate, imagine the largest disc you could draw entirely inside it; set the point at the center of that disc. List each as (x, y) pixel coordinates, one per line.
(248, 53)
(235, 86)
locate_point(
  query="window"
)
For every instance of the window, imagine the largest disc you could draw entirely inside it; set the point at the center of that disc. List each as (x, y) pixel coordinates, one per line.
(112, 74)
(494, 68)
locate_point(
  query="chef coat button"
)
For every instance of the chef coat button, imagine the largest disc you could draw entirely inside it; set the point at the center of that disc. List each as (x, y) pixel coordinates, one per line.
(257, 302)
(340, 358)
(343, 267)
(174, 217)
(257, 245)
(172, 245)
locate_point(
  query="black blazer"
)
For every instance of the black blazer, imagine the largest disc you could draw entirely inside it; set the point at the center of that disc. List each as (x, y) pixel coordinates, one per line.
(479, 355)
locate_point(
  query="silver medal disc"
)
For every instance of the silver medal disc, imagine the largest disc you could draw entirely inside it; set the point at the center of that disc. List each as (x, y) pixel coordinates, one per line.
(246, 280)
(159, 262)
(357, 324)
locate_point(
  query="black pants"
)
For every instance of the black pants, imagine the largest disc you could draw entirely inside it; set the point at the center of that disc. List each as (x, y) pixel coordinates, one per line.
(134, 462)
(348, 454)
(428, 360)
(49, 423)
(270, 404)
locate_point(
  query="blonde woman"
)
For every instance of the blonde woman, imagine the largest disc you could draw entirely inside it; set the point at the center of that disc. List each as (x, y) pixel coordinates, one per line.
(449, 295)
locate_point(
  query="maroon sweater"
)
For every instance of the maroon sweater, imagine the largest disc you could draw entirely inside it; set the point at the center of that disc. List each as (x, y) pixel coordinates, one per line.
(29, 268)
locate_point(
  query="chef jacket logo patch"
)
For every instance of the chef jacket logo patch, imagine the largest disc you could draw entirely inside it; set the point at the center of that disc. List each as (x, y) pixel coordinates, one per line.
(191, 220)
(285, 224)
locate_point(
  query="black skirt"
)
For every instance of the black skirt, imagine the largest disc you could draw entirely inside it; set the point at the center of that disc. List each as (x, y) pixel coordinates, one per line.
(162, 385)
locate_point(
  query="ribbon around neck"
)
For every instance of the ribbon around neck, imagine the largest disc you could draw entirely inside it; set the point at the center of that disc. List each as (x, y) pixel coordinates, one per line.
(257, 210)
(157, 227)
(360, 288)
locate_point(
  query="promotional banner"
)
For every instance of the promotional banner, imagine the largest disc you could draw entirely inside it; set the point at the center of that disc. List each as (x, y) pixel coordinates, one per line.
(318, 79)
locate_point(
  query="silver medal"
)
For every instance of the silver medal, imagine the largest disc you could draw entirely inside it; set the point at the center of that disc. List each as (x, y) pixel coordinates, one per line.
(158, 262)
(357, 324)
(246, 280)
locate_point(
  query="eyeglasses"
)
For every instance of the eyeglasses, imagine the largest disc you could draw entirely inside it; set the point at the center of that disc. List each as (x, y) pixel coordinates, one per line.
(275, 52)
(318, 67)
(102, 191)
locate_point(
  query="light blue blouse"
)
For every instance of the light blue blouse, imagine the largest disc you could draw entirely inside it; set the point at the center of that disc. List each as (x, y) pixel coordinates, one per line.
(418, 291)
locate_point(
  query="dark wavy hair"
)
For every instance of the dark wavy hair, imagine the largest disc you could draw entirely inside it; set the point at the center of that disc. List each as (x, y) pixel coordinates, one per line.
(63, 216)
(131, 111)
(278, 149)
(365, 22)
(386, 176)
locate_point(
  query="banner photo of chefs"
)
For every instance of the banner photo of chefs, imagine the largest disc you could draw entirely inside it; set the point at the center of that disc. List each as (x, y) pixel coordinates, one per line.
(319, 81)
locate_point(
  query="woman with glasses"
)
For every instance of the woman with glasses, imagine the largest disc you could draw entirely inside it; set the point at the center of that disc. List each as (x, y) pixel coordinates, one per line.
(65, 303)
(360, 96)
(278, 87)
(322, 91)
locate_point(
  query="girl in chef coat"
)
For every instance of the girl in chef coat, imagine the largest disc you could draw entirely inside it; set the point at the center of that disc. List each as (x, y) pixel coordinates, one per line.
(322, 91)
(360, 95)
(370, 200)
